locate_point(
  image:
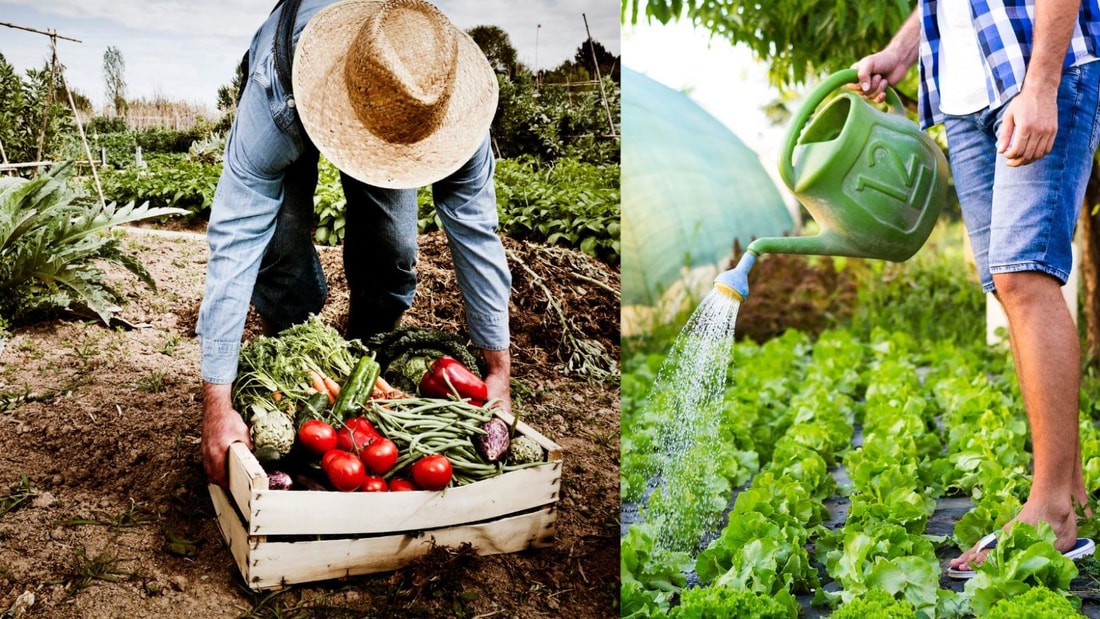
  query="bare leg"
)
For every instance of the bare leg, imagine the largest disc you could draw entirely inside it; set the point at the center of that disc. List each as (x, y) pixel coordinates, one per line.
(1047, 352)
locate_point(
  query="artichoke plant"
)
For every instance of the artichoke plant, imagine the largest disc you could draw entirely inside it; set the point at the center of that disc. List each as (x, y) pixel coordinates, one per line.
(52, 248)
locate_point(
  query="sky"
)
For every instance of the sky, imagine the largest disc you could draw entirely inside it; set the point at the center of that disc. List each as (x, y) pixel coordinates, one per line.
(186, 50)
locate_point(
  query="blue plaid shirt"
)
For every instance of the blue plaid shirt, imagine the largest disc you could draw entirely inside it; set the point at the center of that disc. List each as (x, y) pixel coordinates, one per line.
(1005, 37)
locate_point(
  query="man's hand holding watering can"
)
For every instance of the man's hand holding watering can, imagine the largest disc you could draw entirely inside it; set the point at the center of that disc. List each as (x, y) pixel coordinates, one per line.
(890, 65)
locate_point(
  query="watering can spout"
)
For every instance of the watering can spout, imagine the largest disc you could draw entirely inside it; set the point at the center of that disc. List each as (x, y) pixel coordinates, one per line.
(735, 282)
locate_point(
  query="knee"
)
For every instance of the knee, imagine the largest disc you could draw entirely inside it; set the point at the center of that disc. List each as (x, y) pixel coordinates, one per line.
(1022, 288)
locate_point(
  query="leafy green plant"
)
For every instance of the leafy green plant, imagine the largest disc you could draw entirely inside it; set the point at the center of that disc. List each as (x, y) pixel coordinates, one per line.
(1036, 603)
(568, 203)
(1024, 557)
(650, 575)
(168, 181)
(328, 205)
(718, 601)
(876, 604)
(51, 248)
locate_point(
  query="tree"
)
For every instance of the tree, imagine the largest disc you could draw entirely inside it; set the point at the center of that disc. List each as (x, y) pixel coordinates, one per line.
(800, 39)
(114, 68)
(497, 47)
(607, 62)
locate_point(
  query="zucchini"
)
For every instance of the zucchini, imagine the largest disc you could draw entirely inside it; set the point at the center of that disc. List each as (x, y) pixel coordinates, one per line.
(357, 389)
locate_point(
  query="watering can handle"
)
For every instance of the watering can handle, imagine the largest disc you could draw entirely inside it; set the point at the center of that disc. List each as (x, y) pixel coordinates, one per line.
(814, 99)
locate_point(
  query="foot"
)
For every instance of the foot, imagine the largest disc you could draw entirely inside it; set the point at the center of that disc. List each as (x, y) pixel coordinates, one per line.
(1061, 518)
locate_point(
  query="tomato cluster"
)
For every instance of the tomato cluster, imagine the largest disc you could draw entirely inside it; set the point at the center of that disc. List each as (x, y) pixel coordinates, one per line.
(356, 456)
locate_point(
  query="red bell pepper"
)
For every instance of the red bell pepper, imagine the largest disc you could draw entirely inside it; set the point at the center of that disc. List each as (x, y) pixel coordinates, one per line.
(448, 377)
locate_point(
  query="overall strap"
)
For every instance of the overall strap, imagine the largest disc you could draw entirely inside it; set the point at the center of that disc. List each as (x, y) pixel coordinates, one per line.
(284, 35)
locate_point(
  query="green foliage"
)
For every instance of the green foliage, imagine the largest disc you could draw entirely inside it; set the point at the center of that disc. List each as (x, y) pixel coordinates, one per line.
(328, 205)
(1036, 603)
(24, 103)
(650, 576)
(931, 296)
(497, 47)
(568, 203)
(1024, 557)
(876, 604)
(558, 120)
(798, 39)
(718, 602)
(169, 180)
(51, 247)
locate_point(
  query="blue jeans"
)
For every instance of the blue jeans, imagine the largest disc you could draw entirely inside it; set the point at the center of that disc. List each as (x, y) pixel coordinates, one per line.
(1023, 218)
(260, 233)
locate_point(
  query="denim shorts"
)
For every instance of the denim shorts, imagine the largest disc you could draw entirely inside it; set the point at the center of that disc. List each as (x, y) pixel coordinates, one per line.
(1023, 218)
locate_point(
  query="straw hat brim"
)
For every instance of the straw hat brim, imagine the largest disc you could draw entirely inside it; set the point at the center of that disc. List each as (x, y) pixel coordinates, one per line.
(334, 127)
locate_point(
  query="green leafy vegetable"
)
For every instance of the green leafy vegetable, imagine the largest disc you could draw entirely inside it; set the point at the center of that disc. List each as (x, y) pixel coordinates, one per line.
(282, 363)
(1036, 603)
(716, 601)
(1024, 557)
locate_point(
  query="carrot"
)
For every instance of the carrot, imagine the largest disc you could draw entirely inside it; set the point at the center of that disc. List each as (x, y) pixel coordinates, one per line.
(384, 390)
(320, 386)
(332, 388)
(277, 396)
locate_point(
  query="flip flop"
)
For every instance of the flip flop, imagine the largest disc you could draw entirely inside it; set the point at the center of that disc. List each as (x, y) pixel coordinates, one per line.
(1082, 548)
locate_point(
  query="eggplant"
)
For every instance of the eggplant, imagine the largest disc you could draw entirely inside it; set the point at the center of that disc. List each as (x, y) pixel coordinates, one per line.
(495, 442)
(278, 480)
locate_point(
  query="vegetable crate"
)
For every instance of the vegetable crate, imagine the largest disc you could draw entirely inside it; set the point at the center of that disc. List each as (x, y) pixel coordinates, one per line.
(281, 537)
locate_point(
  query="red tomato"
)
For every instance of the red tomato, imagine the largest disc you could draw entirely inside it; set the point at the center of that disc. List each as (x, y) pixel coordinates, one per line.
(317, 436)
(380, 456)
(401, 485)
(329, 455)
(363, 425)
(345, 470)
(432, 472)
(354, 438)
(374, 484)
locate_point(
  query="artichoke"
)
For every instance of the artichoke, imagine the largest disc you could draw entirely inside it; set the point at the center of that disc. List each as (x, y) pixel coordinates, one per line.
(524, 450)
(272, 433)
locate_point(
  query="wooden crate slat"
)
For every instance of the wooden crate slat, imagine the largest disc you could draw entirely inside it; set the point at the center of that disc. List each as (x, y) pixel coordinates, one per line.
(294, 512)
(245, 476)
(275, 564)
(229, 521)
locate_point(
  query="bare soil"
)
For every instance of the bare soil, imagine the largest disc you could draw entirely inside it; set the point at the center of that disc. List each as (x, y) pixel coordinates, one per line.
(104, 510)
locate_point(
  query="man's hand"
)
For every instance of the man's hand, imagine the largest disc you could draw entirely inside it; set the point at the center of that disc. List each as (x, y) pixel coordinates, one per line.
(878, 71)
(889, 66)
(1029, 125)
(221, 427)
(499, 376)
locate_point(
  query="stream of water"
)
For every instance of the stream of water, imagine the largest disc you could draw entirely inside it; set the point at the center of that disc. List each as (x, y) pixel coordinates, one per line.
(689, 386)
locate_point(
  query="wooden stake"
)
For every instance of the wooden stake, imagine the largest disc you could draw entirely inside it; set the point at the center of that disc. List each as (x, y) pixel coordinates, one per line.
(596, 63)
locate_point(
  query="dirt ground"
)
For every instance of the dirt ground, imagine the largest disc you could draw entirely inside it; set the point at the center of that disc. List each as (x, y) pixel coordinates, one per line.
(104, 510)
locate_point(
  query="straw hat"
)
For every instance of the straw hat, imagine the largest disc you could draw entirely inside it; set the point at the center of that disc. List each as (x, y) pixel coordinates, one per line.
(392, 93)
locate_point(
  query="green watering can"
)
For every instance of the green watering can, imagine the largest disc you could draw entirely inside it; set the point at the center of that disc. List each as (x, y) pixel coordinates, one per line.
(873, 181)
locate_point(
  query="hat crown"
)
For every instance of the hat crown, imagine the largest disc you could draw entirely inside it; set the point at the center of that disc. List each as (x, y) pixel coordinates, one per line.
(400, 70)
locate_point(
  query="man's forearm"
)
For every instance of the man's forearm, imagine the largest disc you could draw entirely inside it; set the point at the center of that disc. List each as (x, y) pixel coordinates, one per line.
(906, 41)
(1054, 24)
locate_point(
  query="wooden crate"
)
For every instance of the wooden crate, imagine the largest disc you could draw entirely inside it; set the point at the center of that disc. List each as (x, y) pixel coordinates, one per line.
(280, 537)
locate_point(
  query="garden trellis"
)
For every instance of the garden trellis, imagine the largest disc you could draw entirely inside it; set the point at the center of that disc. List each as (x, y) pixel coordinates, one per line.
(55, 69)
